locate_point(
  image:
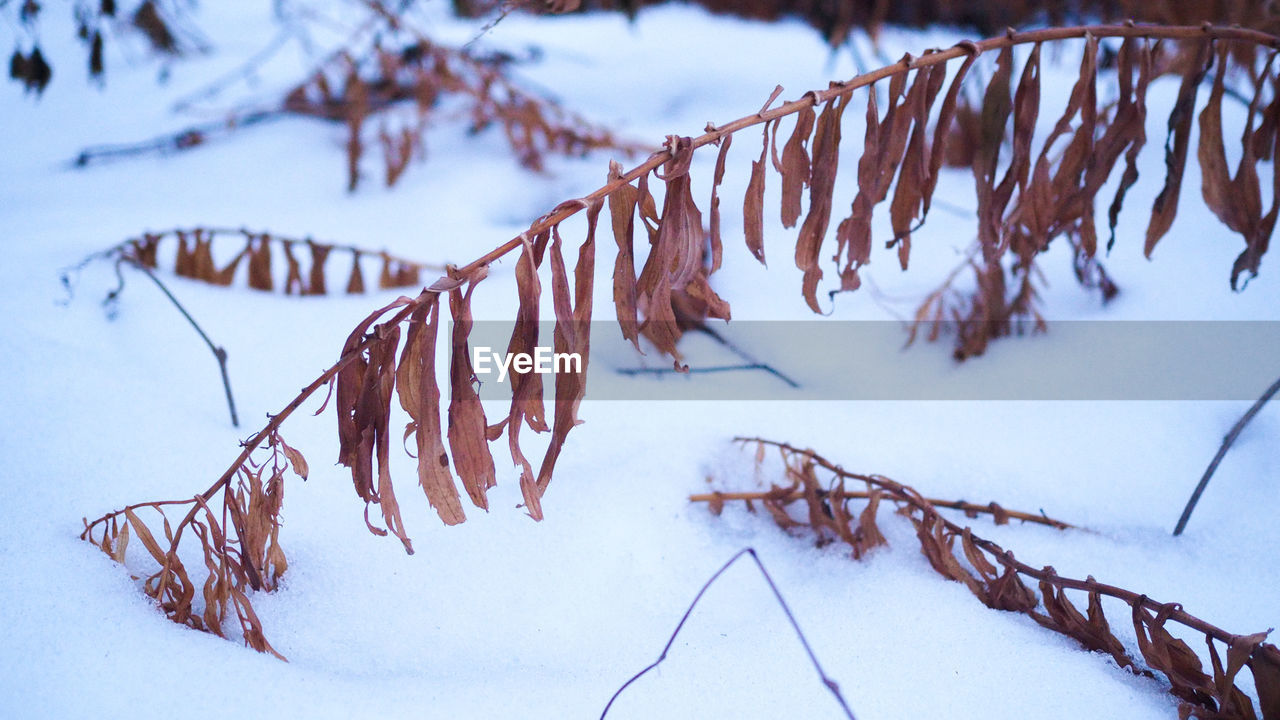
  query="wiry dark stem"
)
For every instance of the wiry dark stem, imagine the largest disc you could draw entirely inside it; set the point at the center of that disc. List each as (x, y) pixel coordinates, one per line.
(791, 618)
(1227, 442)
(219, 353)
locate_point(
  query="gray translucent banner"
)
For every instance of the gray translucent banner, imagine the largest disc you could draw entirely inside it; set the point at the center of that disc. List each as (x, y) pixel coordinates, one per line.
(869, 360)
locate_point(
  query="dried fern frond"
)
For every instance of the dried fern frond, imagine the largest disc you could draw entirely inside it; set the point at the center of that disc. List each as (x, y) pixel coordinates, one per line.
(998, 580)
(387, 85)
(193, 257)
(304, 259)
(240, 542)
(390, 354)
(353, 86)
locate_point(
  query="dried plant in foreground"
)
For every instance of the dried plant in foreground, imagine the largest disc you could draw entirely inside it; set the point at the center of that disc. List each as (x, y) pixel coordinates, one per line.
(390, 355)
(999, 580)
(239, 540)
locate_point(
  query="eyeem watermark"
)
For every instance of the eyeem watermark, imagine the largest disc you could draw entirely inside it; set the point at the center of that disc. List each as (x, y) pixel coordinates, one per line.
(865, 360)
(543, 361)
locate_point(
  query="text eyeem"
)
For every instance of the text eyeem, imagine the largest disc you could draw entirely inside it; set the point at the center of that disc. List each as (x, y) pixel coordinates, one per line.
(543, 361)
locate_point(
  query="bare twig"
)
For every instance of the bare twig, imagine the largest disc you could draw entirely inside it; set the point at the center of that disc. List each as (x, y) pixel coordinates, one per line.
(777, 594)
(710, 369)
(1227, 442)
(219, 353)
(185, 139)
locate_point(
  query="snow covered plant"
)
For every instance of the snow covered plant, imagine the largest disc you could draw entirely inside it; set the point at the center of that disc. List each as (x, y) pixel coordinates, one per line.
(996, 578)
(1026, 199)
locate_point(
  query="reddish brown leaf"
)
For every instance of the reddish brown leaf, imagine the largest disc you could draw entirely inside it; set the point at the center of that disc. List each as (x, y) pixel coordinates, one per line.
(355, 283)
(260, 263)
(319, 254)
(753, 203)
(526, 388)
(1264, 663)
(795, 167)
(572, 338)
(996, 107)
(908, 197)
(293, 284)
(942, 130)
(418, 374)
(717, 246)
(826, 158)
(676, 256)
(1166, 205)
(467, 440)
(622, 208)
(356, 399)
(1130, 122)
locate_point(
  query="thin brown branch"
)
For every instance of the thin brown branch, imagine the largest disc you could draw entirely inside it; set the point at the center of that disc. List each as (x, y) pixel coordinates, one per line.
(968, 508)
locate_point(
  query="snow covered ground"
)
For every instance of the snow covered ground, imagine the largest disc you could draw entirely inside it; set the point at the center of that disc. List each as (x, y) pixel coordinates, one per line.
(505, 617)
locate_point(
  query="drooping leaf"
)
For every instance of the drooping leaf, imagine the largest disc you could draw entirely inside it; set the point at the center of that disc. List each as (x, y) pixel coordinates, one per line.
(1166, 205)
(467, 437)
(825, 161)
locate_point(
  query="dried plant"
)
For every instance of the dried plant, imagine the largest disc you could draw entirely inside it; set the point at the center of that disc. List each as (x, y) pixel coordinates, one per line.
(375, 367)
(194, 259)
(304, 259)
(240, 543)
(391, 82)
(830, 684)
(996, 578)
(96, 21)
(421, 73)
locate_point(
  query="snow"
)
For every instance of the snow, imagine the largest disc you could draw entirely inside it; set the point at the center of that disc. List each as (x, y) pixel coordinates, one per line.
(503, 616)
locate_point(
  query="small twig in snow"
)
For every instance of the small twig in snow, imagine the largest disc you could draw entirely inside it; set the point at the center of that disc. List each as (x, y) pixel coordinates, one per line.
(218, 352)
(1222, 451)
(827, 681)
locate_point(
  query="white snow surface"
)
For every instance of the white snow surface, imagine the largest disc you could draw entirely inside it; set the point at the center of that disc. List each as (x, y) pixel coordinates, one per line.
(506, 617)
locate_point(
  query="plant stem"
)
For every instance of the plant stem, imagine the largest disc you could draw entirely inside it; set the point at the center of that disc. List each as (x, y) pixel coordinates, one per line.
(777, 594)
(219, 353)
(1227, 442)
(1005, 558)
(966, 507)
